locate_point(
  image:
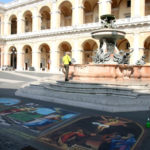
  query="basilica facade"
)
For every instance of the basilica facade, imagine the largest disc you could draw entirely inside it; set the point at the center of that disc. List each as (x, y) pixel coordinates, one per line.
(37, 33)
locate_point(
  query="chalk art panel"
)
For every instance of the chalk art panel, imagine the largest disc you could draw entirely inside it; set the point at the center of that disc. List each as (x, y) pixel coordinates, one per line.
(96, 133)
(32, 116)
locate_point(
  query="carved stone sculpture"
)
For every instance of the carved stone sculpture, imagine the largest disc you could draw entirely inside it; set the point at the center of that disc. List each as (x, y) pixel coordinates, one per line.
(141, 61)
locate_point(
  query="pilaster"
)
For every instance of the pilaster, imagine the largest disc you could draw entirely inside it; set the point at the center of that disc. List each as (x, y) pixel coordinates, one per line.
(137, 8)
(55, 16)
(6, 58)
(1, 57)
(36, 57)
(104, 7)
(36, 20)
(19, 57)
(54, 58)
(77, 14)
(77, 53)
(2, 26)
(20, 23)
(7, 25)
(136, 47)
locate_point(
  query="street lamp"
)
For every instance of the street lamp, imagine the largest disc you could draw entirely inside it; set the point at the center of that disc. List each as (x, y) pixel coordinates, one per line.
(13, 54)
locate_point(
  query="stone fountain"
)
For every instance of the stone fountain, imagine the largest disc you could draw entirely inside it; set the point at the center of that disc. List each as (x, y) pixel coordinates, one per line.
(108, 52)
(110, 62)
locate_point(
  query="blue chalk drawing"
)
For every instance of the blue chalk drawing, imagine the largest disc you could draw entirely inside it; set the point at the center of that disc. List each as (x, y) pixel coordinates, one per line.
(44, 111)
(39, 122)
(122, 144)
(68, 116)
(9, 101)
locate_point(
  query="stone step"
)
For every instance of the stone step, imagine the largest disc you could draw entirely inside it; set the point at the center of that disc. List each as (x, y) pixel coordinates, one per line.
(97, 99)
(103, 103)
(102, 85)
(106, 91)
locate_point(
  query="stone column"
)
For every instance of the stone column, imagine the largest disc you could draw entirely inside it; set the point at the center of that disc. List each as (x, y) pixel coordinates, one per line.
(2, 58)
(55, 16)
(1, 25)
(77, 14)
(54, 58)
(137, 8)
(136, 46)
(77, 53)
(6, 58)
(36, 20)
(7, 25)
(104, 7)
(36, 57)
(20, 24)
(19, 58)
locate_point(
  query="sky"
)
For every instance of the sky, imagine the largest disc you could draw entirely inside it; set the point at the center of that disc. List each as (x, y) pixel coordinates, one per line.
(5, 1)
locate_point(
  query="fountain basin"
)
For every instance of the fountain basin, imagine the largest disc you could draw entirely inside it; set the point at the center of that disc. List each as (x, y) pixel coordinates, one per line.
(99, 72)
(108, 34)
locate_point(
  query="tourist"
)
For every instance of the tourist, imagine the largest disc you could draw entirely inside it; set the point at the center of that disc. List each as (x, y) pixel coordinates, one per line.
(66, 62)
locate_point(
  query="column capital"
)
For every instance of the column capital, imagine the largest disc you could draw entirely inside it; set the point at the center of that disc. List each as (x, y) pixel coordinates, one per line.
(38, 51)
(104, 1)
(54, 51)
(77, 50)
(81, 7)
(55, 12)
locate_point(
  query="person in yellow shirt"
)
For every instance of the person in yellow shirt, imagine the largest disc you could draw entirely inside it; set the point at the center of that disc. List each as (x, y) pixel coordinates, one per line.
(66, 62)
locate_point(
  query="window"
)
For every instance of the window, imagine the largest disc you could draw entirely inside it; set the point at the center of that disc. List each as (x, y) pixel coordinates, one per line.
(128, 3)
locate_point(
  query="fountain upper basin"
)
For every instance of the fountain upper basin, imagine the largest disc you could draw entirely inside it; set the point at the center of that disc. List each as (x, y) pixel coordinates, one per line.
(108, 34)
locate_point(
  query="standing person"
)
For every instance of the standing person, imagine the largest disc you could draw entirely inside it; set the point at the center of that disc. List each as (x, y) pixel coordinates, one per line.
(66, 61)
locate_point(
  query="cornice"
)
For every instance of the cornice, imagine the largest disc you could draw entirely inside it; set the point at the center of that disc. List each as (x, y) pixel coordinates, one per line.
(18, 3)
(52, 33)
(127, 25)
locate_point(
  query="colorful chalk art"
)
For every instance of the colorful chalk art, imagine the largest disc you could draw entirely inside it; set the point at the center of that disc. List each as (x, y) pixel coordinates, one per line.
(96, 133)
(66, 130)
(31, 115)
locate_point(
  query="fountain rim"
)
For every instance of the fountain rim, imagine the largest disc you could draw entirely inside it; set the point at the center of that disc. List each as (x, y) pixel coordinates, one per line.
(108, 30)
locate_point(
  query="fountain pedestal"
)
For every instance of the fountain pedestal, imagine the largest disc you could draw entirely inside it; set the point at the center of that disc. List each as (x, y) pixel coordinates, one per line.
(101, 72)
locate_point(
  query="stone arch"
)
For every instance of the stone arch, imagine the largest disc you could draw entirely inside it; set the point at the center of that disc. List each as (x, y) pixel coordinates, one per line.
(90, 11)
(61, 1)
(44, 57)
(123, 44)
(12, 57)
(147, 50)
(27, 57)
(27, 16)
(64, 47)
(45, 17)
(65, 13)
(89, 48)
(13, 24)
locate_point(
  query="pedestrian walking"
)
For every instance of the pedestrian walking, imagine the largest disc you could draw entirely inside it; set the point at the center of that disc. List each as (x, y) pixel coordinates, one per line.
(66, 62)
